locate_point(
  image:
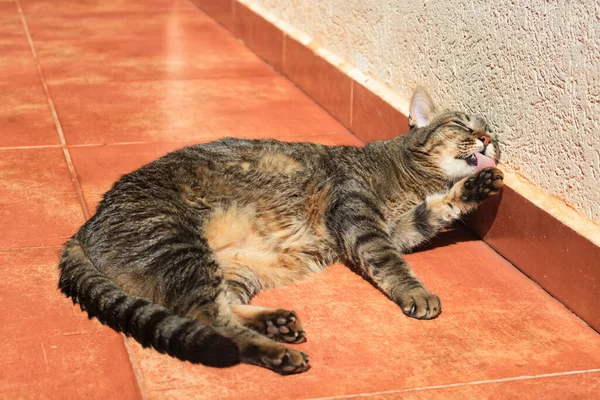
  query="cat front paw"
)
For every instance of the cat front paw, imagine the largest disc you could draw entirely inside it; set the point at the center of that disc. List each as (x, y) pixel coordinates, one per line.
(484, 184)
(419, 303)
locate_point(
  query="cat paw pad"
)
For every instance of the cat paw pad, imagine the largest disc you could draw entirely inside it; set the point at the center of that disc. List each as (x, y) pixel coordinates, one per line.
(284, 326)
(484, 184)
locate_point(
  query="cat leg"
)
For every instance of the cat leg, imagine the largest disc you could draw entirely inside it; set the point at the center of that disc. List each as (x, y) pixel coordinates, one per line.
(254, 348)
(358, 226)
(424, 221)
(276, 323)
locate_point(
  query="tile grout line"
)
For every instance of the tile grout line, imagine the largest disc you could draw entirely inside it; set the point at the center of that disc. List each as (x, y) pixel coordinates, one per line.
(137, 370)
(57, 125)
(139, 380)
(41, 146)
(57, 246)
(454, 385)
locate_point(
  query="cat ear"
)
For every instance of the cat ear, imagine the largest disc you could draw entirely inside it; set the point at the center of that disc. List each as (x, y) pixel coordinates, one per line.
(422, 109)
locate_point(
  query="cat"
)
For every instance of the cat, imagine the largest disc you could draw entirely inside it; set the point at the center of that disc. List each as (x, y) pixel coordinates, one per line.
(178, 248)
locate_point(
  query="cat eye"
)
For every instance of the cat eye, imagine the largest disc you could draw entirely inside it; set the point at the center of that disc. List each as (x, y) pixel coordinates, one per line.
(462, 125)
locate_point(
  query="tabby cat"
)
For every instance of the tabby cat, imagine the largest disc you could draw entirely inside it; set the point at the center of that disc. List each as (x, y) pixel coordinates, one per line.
(177, 249)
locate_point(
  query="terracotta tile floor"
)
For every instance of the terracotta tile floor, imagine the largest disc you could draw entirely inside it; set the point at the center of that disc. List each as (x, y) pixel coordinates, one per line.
(118, 83)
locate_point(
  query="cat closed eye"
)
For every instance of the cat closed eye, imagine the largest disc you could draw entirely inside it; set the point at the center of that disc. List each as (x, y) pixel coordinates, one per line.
(462, 125)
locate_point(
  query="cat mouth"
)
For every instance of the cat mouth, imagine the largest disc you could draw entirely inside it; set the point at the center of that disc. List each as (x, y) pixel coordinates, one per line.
(479, 161)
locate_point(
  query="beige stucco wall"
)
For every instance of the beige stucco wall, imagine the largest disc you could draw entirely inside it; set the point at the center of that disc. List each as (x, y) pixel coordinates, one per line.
(531, 67)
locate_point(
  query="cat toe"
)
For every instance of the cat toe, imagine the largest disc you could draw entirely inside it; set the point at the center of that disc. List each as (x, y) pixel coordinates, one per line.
(290, 362)
(284, 326)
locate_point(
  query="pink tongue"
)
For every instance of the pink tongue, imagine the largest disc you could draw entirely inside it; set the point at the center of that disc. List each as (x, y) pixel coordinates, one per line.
(483, 162)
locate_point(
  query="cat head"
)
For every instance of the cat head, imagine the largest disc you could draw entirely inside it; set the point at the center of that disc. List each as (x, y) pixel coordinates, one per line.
(451, 142)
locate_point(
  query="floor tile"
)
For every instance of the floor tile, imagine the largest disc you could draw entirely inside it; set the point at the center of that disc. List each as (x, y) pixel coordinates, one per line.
(50, 349)
(122, 25)
(72, 7)
(210, 55)
(98, 167)
(17, 66)
(25, 117)
(324, 82)
(578, 386)
(496, 324)
(29, 296)
(545, 249)
(187, 110)
(38, 205)
(11, 27)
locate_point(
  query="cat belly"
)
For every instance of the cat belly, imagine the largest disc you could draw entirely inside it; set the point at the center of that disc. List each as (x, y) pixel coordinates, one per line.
(264, 248)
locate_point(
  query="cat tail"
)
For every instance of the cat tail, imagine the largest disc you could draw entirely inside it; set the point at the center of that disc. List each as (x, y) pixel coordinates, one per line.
(150, 324)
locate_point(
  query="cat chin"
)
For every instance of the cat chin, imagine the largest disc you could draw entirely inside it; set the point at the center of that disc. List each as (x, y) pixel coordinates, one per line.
(457, 169)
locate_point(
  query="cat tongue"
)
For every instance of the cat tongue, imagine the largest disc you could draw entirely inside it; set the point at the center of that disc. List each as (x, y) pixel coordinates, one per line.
(483, 162)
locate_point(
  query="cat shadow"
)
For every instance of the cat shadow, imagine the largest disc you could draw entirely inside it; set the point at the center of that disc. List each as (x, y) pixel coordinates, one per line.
(481, 220)
(456, 234)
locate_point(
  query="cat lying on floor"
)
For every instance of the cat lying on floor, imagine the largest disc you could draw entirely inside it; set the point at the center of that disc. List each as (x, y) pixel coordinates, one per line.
(177, 249)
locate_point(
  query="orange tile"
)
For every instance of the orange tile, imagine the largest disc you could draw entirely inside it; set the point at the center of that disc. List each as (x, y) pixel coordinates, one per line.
(11, 27)
(25, 118)
(48, 348)
(208, 56)
(98, 167)
(38, 205)
(220, 10)
(17, 66)
(30, 298)
(322, 81)
(196, 110)
(496, 324)
(261, 36)
(577, 386)
(149, 25)
(33, 8)
(552, 254)
(373, 118)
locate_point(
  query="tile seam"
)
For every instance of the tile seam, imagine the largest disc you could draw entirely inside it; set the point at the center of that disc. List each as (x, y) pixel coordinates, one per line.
(465, 384)
(41, 146)
(57, 125)
(137, 369)
(139, 381)
(57, 247)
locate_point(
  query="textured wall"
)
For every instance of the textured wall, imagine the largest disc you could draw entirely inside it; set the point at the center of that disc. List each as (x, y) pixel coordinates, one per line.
(531, 67)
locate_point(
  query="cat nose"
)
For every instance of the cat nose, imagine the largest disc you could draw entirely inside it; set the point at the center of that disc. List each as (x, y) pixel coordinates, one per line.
(485, 139)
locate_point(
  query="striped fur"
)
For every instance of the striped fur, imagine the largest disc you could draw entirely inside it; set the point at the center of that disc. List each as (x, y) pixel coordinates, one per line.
(178, 248)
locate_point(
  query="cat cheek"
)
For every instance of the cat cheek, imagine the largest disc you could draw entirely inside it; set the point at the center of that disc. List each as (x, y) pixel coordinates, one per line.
(490, 152)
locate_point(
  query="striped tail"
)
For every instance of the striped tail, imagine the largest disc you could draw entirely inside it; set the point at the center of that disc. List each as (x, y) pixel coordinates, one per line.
(150, 324)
